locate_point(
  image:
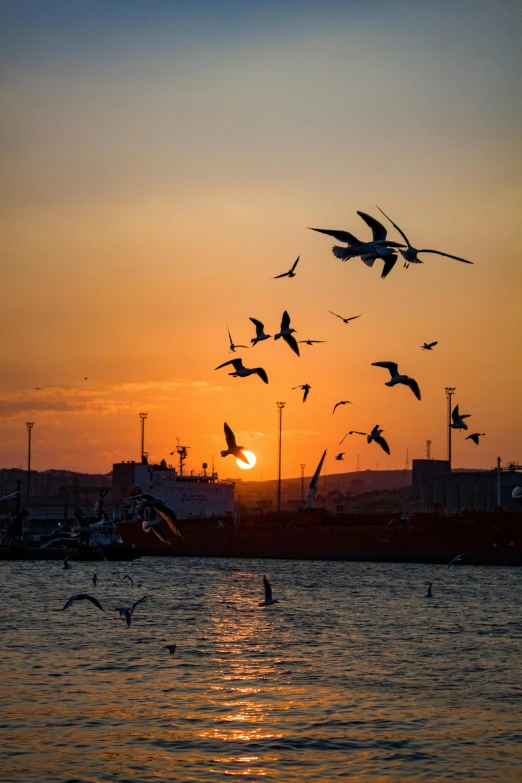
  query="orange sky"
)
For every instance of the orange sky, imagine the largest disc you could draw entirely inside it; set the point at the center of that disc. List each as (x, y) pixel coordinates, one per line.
(154, 184)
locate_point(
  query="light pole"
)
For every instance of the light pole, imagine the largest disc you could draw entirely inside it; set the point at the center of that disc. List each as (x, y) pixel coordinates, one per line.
(450, 391)
(29, 425)
(143, 416)
(428, 449)
(280, 406)
(303, 466)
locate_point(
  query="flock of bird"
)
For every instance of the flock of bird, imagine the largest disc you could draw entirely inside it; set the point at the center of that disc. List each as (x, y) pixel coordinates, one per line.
(378, 247)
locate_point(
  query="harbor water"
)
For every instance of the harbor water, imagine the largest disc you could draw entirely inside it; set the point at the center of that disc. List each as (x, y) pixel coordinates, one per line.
(353, 676)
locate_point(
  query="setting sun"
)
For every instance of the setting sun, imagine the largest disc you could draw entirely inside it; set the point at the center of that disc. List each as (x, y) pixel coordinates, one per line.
(251, 461)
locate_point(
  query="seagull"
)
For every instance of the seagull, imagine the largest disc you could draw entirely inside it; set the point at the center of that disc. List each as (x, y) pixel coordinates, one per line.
(341, 456)
(346, 320)
(82, 597)
(66, 563)
(310, 342)
(475, 437)
(341, 402)
(171, 648)
(232, 447)
(428, 593)
(38, 388)
(286, 333)
(375, 435)
(457, 559)
(232, 345)
(516, 494)
(305, 387)
(397, 378)
(94, 579)
(291, 272)
(131, 580)
(410, 255)
(429, 346)
(352, 432)
(126, 613)
(268, 594)
(85, 379)
(151, 525)
(243, 372)
(260, 332)
(379, 247)
(148, 501)
(458, 420)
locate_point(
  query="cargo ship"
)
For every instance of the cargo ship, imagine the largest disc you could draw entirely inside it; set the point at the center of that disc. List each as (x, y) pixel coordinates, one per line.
(212, 527)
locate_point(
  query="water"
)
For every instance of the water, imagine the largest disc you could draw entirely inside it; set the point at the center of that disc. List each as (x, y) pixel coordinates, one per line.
(354, 675)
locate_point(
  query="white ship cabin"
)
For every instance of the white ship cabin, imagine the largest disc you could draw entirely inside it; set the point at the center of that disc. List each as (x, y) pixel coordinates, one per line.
(190, 495)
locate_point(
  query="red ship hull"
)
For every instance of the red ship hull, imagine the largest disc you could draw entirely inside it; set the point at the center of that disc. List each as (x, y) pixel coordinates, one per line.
(489, 538)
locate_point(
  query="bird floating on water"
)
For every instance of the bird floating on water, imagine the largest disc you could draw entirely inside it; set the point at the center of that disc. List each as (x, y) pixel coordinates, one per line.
(429, 346)
(341, 402)
(475, 437)
(428, 593)
(286, 333)
(346, 320)
(396, 378)
(458, 422)
(268, 594)
(233, 346)
(260, 332)
(410, 255)
(171, 648)
(83, 597)
(232, 447)
(456, 559)
(291, 272)
(240, 371)
(379, 247)
(66, 562)
(94, 579)
(127, 612)
(305, 387)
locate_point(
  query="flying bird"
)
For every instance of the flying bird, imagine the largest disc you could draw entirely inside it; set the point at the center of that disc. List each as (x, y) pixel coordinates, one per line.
(126, 612)
(171, 648)
(260, 332)
(286, 333)
(144, 501)
(375, 435)
(397, 378)
(305, 387)
(232, 346)
(341, 402)
(379, 247)
(94, 579)
(232, 447)
(429, 346)
(310, 342)
(475, 437)
(352, 432)
(240, 371)
(291, 272)
(458, 419)
(38, 388)
(340, 456)
(410, 255)
(268, 594)
(457, 559)
(83, 597)
(346, 320)
(85, 379)
(428, 593)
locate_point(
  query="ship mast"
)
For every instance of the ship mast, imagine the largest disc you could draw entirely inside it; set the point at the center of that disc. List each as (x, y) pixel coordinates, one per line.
(182, 452)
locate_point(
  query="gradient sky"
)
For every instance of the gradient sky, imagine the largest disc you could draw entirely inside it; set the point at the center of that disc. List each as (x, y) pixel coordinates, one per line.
(161, 161)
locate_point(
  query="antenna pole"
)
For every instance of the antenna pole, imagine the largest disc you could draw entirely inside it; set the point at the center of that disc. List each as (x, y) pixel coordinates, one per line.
(428, 449)
(280, 406)
(143, 416)
(450, 391)
(303, 466)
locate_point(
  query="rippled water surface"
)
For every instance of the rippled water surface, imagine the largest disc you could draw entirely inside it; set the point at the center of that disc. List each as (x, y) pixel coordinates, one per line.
(354, 675)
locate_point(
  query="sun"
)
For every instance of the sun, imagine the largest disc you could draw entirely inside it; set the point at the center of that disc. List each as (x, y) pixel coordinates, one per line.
(251, 461)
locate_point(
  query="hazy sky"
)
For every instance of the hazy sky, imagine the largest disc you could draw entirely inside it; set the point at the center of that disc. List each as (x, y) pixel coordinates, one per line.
(161, 162)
